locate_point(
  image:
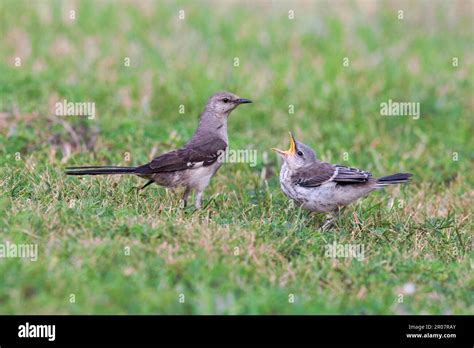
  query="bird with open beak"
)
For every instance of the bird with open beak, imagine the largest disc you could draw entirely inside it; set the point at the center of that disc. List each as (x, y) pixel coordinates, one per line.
(324, 187)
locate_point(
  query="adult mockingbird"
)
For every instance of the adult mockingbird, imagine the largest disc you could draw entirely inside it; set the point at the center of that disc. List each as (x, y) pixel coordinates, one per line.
(324, 187)
(191, 166)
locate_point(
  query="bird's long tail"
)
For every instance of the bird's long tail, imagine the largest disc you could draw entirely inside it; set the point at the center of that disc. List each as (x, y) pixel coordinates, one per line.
(105, 170)
(393, 179)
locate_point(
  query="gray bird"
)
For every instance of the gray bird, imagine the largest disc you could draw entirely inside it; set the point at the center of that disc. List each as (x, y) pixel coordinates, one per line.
(324, 187)
(191, 166)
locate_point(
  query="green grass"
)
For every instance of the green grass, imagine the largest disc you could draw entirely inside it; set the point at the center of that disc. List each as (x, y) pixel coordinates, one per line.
(419, 234)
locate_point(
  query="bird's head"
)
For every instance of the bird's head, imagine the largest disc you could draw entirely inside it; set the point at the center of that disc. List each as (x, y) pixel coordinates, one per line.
(298, 155)
(221, 104)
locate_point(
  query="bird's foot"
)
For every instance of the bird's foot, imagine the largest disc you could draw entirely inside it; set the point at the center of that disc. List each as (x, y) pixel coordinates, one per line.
(199, 207)
(328, 223)
(136, 189)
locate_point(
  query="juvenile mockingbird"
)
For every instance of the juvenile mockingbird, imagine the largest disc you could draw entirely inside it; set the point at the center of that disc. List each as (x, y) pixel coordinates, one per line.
(324, 187)
(191, 166)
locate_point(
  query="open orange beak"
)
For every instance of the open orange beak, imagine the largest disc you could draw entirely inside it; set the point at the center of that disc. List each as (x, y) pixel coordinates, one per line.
(291, 150)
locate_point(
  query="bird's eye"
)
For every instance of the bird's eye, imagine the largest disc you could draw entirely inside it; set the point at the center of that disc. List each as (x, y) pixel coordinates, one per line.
(225, 100)
(299, 153)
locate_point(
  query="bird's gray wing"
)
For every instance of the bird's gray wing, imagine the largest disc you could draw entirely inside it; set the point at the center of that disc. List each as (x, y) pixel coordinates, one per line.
(320, 173)
(197, 154)
(313, 175)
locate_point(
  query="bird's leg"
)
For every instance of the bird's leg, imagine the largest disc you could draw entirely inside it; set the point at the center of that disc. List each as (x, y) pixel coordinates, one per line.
(148, 183)
(184, 200)
(141, 188)
(197, 199)
(330, 219)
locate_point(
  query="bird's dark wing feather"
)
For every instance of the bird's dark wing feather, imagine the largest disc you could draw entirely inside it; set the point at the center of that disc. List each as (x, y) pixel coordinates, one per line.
(320, 173)
(351, 175)
(313, 175)
(203, 153)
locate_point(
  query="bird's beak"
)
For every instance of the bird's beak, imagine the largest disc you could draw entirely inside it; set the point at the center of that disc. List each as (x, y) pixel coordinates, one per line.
(243, 101)
(291, 150)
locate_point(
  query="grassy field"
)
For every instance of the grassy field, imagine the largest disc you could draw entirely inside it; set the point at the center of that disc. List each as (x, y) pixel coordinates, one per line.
(106, 249)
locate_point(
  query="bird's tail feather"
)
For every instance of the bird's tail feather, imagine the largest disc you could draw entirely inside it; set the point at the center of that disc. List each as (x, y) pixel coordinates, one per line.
(104, 170)
(393, 179)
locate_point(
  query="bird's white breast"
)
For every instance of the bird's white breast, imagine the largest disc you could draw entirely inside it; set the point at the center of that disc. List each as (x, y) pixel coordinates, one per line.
(199, 177)
(320, 198)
